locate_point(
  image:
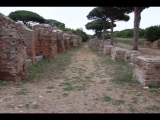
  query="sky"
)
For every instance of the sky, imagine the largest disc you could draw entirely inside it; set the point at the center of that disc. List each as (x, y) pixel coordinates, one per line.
(75, 17)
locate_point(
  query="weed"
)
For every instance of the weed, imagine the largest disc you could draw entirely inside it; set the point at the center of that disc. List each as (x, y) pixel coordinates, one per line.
(106, 98)
(36, 106)
(50, 87)
(2, 83)
(19, 83)
(65, 94)
(23, 91)
(108, 89)
(118, 102)
(83, 87)
(96, 99)
(82, 69)
(77, 80)
(48, 91)
(154, 108)
(152, 89)
(102, 82)
(27, 106)
(49, 68)
(135, 100)
(68, 86)
(131, 109)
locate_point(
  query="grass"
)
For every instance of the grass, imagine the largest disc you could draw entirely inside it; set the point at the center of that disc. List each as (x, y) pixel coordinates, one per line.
(153, 108)
(82, 87)
(81, 69)
(76, 80)
(48, 91)
(106, 98)
(131, 109)
(135, 100)
(23, 91)
(102, 82)
(65, 94)
(35, 106)
(51, 87)
(118, 102)
(19, 84)
(114, 102)
(123, 73)
(65, 77)
(3, 83)
(50, 68)
(108, 89)
(120, 71)
(152, 89)
(68, 86)
(27, 106)
(88, 78)
(130, 40)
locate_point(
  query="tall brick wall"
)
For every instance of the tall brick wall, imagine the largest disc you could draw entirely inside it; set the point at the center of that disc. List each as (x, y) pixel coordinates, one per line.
(45, 40)
(74, 40)
(147, 43)
(29, 36)
(60, 42)
(156, 44)
(12, 50)
(66, 38)
(79, 40)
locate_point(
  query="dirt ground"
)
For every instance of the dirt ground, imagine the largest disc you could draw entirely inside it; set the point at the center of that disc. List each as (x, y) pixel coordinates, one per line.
(82, 88)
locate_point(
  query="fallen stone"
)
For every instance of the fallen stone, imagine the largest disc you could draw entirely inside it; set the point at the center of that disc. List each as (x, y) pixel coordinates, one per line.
(38, 58)
(29, 62)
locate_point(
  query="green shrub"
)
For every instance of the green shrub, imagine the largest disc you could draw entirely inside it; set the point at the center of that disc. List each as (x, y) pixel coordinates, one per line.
(152, 33)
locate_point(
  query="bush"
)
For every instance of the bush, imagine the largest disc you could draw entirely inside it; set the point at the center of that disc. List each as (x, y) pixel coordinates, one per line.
(152, 33)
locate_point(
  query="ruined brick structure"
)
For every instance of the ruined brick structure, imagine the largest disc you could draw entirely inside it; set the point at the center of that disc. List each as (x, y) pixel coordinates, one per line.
(60, 42)
(66, 38)
(147, 70)
(107, 49)
(73, 40)
(118, 53)
(130, 55)
(12, 50)
(147, 43)
(101, 45)
(156, 44)
(79, 40)
(45, 40)
(68, 32)
(29, 37)
(95, 42)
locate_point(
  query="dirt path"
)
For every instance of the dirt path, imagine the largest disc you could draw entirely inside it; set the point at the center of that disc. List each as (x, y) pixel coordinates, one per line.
(82, 88)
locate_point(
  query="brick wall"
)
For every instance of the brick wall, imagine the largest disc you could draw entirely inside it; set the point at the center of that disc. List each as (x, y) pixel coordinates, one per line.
(147, 70)
(12, 50)
(45, 40)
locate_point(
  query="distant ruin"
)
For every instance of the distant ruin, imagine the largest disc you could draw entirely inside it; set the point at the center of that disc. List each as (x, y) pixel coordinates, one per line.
(21, 46)
(145, 68)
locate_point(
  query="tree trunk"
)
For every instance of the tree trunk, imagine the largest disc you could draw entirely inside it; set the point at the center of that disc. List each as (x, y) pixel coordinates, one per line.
(96, 33)
(104, 30)
(111, 34)
(137, 18)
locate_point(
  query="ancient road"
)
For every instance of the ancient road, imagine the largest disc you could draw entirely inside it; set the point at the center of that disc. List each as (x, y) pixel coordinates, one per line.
(84, 87)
